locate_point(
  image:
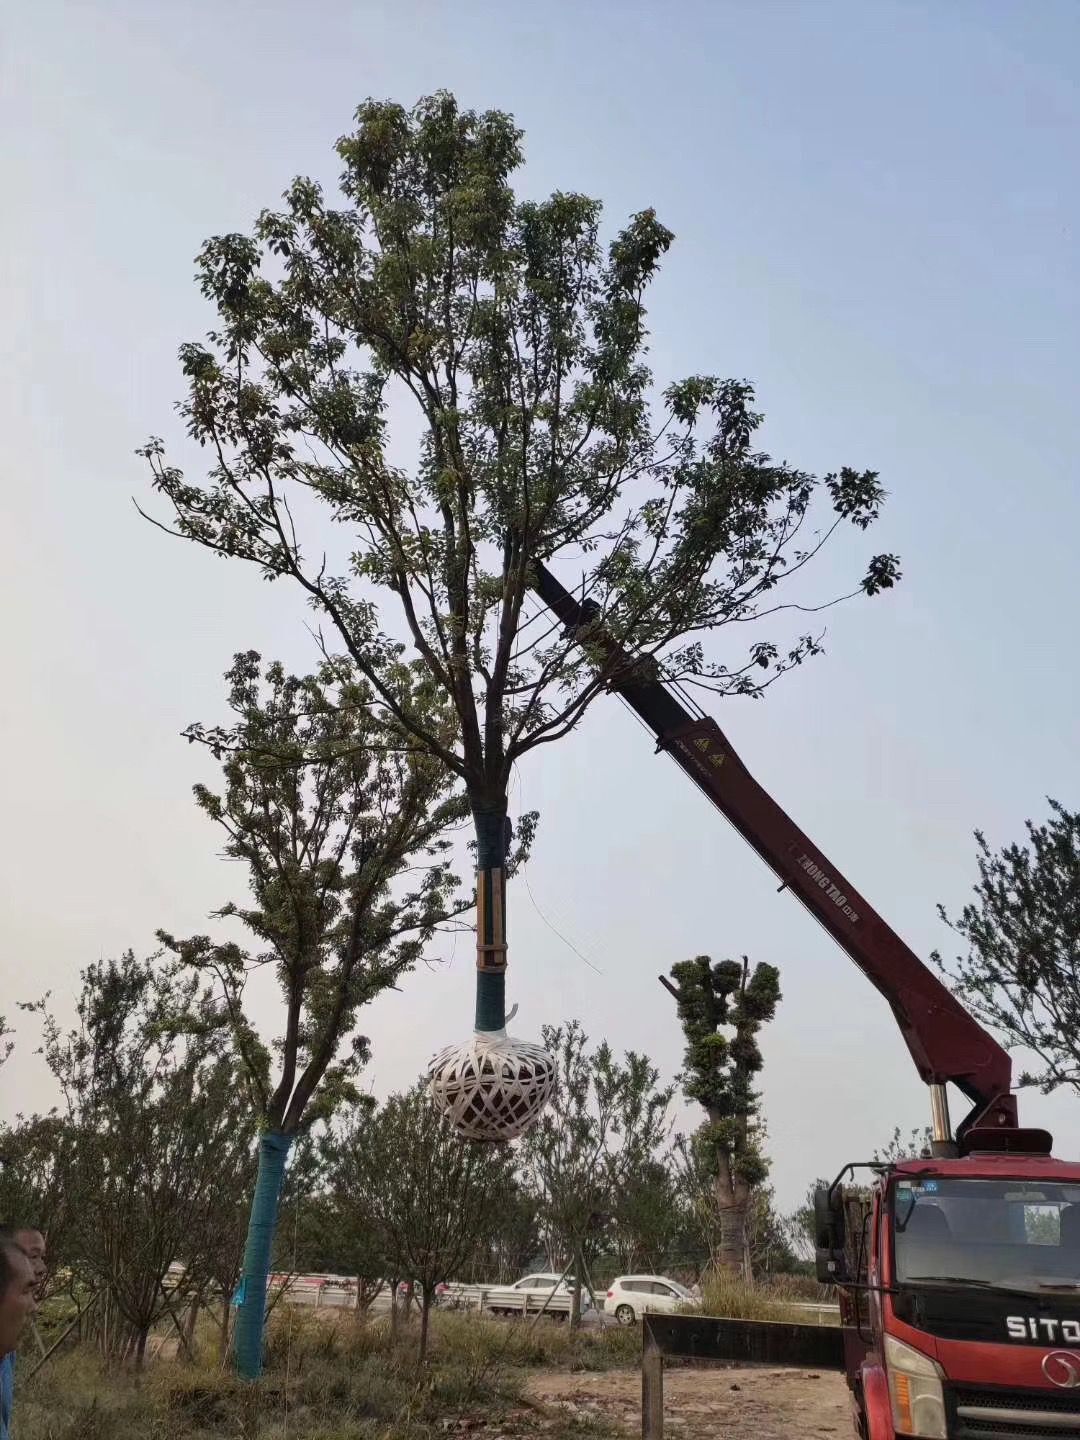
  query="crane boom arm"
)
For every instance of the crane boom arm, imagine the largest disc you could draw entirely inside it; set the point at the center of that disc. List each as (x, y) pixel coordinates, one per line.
(945, 1041)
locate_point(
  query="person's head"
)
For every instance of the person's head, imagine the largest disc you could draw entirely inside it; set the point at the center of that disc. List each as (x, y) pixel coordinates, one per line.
(17, 1294)
(32, 1243)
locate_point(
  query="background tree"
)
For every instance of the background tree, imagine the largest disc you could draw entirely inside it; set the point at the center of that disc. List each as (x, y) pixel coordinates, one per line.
(645, 1217)
(342, 828)
(720, 1071)
(335, 1238)
(1021, 973)
(803, 1225)
(604, 1125)
(160, 1134)
(512, 1246)
(37, 1185)
(221, 1257)
(432, 1200)
(772, 1238)
(337, 1234)
(520, 342)
(912, 1146)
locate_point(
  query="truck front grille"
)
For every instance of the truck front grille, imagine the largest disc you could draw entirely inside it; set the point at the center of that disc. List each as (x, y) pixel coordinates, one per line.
(988, 1414)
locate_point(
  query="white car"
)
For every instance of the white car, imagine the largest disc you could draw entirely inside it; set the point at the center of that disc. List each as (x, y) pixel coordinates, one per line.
(632, 1296)
(527, 1296)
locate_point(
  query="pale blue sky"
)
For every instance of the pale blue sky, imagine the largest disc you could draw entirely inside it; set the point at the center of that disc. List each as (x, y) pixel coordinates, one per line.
(876, 214)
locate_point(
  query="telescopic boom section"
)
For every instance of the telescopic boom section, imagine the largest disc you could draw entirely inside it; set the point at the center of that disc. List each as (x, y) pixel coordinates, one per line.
(946, 1043)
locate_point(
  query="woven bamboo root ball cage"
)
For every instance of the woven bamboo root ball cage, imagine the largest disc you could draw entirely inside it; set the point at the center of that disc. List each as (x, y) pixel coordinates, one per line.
(492, 1086)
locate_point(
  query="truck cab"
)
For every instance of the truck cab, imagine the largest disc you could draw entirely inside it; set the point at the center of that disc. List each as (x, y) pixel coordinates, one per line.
(960, 1296)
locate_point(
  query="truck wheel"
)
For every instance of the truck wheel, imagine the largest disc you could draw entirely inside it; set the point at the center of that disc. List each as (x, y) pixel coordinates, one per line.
(624, 1314)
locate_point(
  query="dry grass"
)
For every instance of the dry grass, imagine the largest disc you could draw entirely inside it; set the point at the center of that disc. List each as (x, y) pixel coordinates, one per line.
(549, 1345)
(736, 1300)
(328, 1381)
(329, 1377)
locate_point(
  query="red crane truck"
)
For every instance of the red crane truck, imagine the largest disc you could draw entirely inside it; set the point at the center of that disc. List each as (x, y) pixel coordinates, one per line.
(959, 1274)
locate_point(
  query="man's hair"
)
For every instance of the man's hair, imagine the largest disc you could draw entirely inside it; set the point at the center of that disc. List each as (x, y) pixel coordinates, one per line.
(9, 1233)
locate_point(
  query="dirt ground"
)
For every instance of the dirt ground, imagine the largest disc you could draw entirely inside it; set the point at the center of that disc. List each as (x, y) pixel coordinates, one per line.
(710, 1404)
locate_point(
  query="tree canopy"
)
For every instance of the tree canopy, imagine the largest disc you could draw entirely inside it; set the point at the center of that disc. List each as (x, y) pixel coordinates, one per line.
(720, 1071)
(1021, 972)
(602, 1129)
(454, 379)
(344, 835)
(154, 1145)
(429, 1200)
(521, 340)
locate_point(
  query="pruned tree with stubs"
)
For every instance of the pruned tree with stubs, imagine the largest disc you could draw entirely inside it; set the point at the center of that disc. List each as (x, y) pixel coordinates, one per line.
(451, 384)
(343, 829)
(722, 1007)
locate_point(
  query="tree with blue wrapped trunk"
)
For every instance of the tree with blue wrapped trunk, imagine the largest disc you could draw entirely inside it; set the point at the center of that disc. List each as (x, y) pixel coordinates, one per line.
(518, 341)
(344, 828)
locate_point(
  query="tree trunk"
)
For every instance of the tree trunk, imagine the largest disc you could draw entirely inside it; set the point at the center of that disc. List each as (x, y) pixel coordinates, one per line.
(575, 1297)
(191, 1319)
(223, 1339)
(733, 1208)
(425, 1315)
(367, 1292)
(732, 1252)
(141, 1337)
(258, 1251)
(393, 1308)
(492, 839)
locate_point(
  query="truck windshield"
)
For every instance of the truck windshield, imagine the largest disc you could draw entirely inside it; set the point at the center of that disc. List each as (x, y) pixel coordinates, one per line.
(1014, 1235)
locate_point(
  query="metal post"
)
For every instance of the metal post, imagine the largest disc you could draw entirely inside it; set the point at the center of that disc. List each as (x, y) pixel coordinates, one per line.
(652, 1385)
(942, 1143)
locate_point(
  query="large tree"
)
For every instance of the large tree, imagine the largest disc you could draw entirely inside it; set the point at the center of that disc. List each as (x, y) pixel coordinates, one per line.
(343, 829)
(518, 341)
(1021, 972)
(722, 1007)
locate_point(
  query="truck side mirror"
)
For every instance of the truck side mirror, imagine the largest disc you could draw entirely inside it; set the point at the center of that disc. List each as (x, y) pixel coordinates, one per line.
(830, 1235)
